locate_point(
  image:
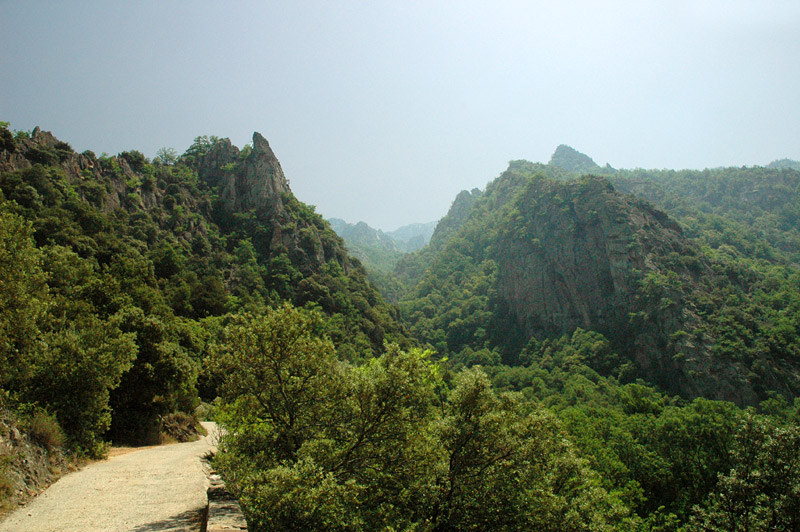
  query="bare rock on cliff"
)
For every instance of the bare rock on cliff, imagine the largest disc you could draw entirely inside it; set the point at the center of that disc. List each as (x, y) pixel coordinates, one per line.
(259, 181)
(582, 255)
(249, 180)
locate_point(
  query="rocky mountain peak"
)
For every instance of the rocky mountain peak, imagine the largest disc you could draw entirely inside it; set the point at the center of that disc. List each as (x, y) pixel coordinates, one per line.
(261, 146)
(252, 182)
(572, 160)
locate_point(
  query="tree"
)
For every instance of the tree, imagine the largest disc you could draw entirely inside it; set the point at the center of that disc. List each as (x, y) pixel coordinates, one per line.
(160, 379)
(166, 156)
(509, 466)
(314, 443)
(762, 490)
(23, 299)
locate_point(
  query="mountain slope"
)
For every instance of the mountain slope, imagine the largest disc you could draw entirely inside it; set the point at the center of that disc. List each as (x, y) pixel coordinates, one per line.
(374, 248)
(573, 161)
(413, 237)
(132, 263)
(532, 258)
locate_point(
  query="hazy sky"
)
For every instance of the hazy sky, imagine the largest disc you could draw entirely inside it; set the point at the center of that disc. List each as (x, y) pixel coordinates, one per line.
(383, 111)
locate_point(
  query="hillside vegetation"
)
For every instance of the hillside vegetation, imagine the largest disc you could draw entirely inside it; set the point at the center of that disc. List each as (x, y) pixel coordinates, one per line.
(117, 271)
(702, 301)
(564, 355)
(564, 288)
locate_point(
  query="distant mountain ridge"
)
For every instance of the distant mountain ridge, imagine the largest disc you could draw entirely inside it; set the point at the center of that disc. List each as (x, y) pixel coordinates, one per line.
(785, 163)
(378, 250)
(413, 236)
(573, 161)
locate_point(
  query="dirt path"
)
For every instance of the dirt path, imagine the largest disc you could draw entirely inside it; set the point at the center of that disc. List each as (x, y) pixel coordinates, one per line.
(153, 489)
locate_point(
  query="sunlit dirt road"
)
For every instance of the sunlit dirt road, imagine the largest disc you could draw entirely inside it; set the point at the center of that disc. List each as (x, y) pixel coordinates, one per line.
(154, 489)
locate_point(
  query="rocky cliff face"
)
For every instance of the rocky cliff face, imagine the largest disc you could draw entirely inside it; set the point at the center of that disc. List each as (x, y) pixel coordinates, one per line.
(575, 253)
(581, 255)
(572, 160)
(248, 181)
(252, 182)
(220, 225)
(105, 181)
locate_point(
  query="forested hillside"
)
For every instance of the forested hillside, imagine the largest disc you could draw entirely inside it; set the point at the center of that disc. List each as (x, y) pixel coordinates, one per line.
(556, 362)
(616, 310)
(116, 271)
(703, 304)
(374, 248)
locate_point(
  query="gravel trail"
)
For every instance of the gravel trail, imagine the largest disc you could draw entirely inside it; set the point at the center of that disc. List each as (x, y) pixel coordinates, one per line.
(155, 489)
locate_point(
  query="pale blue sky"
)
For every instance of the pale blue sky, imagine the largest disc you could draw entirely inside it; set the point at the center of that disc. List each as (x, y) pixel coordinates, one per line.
(383, 111)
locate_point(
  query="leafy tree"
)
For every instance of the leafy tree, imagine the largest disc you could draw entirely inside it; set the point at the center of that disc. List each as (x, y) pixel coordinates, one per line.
(762, 489)
(508, 469)
(314, 443)
(160, 380)
(166, 156)
(23, 300)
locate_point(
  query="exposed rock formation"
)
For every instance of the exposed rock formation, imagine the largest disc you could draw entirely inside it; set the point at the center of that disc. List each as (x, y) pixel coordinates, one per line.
(580, 254)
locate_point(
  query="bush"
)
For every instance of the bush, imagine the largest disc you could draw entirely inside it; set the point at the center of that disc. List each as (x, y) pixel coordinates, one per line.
(180, 427)
(205, 412)
(44, 430)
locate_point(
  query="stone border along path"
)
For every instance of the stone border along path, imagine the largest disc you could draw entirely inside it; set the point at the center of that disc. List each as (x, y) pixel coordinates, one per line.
(158, 489)
(224, 512)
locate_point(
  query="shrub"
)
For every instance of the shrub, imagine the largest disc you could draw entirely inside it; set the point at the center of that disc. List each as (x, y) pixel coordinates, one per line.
(179, 426)
(45, 430)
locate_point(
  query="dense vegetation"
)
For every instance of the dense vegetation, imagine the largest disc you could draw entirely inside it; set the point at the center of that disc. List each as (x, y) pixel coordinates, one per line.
(705, 304)
(406, 443)
(132, 289)
(114, 271)
(380, 252)
(713, 306)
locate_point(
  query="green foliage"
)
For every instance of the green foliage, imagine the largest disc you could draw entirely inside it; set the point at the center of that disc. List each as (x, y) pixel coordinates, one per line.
(374, 248)
(23, 299)
(573, 161)
(109, 265)
(199, 147)
(44, 430)
(32, 451)
(126, 287)
(316, 443)
(661, 456)
(161, 380)
(166, 156)
(714, 314)
(760, 490)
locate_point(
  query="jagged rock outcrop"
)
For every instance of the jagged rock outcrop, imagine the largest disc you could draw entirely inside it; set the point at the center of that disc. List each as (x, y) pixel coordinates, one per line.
(257, 182)
(219, 223)
(458, 213)
(573, 256)
(252, 181)
(572, 160)
(113, 173)
(248, 181)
